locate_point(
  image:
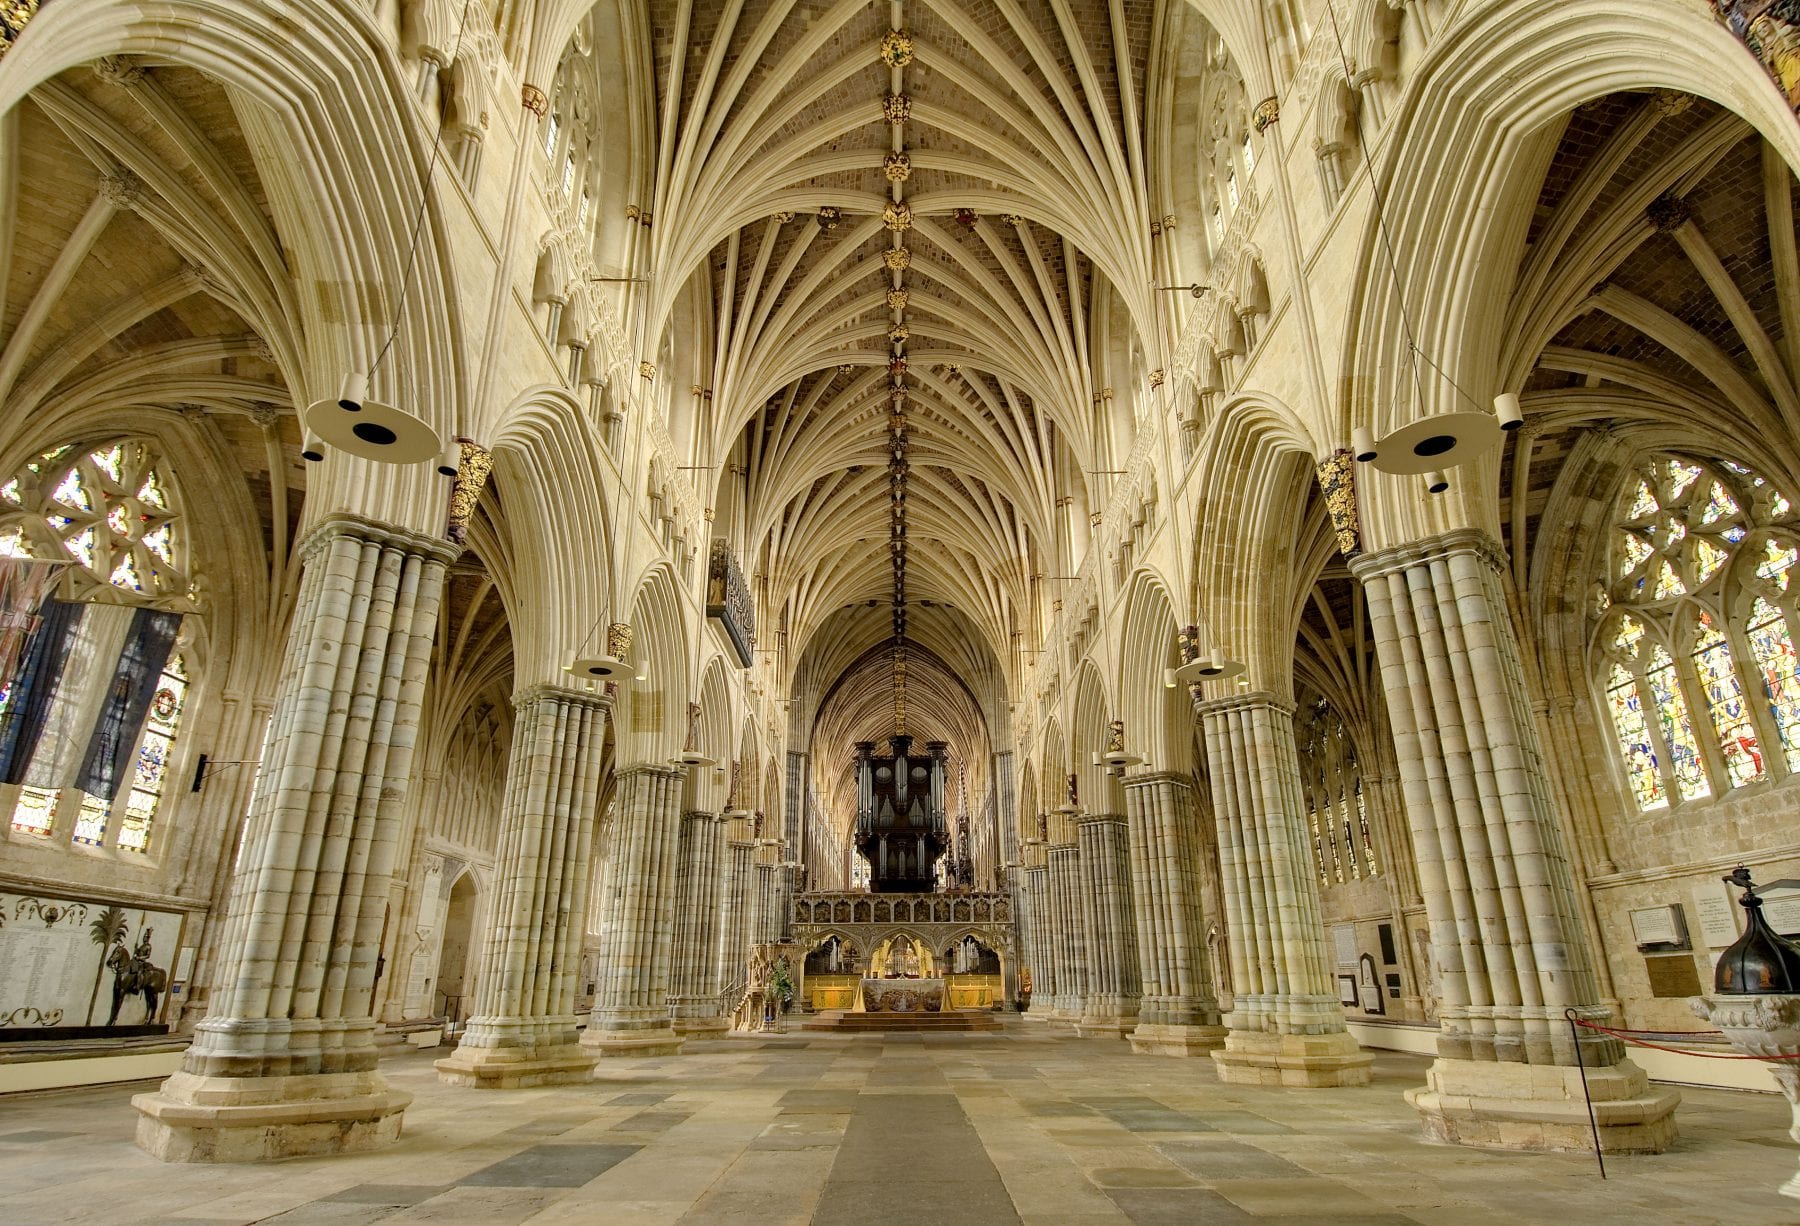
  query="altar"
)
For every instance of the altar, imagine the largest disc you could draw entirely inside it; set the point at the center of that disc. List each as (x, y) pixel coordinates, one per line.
(903, 995)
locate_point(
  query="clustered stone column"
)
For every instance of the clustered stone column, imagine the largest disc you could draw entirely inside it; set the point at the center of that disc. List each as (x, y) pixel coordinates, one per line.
(768, 904)
(1034, 921)
(1179, 1014)
(1113, 982)
(523, 1028)
(1506, 932)
(631, 1008)
(1068, 950)
(1286, 1026)
(694, 1006)
(736, 920)
(284, 1063)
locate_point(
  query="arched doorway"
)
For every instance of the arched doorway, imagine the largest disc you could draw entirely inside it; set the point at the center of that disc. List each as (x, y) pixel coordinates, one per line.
(454, 978)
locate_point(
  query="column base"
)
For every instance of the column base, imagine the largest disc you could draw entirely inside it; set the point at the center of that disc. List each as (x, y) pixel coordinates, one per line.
(615, 1043)
(1106, 1016)
(1319, 1060)
(1155, 1039)
(1541, 1107)
(700, 1027)
(516, 1068)
(257, 1119)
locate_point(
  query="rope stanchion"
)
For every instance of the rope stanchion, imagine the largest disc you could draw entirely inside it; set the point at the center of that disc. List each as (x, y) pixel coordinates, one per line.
(1625, 1036)
(1593, 1124)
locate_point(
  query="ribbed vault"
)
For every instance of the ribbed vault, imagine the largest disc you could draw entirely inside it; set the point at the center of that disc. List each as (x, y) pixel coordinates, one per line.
(919, 232)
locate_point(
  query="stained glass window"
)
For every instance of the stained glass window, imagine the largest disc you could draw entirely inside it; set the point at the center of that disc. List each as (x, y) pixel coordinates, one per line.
(1773, 648)
(1634, 737)
(114, 513)
(1725, 704)
(35, 810)
(90, 820)
(1698, 586)
(149, 779)
(1677, 728)
(1774, 563)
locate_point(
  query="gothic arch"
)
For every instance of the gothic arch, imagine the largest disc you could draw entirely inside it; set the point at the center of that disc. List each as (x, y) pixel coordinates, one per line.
(1463, 161)
(648, 713)
(1159, 719)
(1258, 461)
(1089, 719)
(543, 449)
(329, 128)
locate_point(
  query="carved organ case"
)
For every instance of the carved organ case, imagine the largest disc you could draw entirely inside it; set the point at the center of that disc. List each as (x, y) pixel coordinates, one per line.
(900, 824)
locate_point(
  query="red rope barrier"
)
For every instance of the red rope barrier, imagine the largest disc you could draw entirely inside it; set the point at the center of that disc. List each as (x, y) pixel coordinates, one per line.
(1625, 1035)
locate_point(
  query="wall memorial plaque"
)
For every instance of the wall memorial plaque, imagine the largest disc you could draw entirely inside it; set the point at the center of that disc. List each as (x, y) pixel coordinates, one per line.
(1717, 915)
(1781, 907)
(1661, 927)
(77, 963)
(1673, 975)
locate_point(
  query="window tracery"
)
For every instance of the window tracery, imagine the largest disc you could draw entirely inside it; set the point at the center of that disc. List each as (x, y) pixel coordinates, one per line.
(1337, 813)
(111, 511)
(1699, 589)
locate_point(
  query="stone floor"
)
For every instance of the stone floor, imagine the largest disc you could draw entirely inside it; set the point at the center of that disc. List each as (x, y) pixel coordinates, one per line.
(1023, 1126)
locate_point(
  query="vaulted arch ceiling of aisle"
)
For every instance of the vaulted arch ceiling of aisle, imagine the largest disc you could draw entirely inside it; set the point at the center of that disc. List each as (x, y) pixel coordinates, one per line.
(1655, 288)
(141, 269)
(1028, 114)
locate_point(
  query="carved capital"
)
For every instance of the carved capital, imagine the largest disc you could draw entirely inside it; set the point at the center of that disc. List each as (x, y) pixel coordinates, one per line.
(472, 471)
(1337, 479)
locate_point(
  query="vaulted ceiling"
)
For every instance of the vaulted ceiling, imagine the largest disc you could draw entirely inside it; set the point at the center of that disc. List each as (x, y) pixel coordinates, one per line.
(920, 232)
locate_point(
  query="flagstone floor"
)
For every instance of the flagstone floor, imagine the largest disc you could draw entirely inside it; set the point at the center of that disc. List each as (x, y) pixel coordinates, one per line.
(1028, 1125)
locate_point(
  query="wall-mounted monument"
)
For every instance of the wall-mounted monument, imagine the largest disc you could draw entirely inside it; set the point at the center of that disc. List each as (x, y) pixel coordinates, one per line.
(71, 967)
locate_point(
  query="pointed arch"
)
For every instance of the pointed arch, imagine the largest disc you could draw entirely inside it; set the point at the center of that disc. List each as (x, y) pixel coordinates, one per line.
(1462, 162)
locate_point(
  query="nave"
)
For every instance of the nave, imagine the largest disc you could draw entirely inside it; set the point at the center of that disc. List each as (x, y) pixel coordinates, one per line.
(1032, 1126)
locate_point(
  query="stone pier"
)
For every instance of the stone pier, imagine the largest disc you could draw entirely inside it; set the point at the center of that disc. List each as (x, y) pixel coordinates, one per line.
(1286, 1026)
(1179, 1013)
(631, 1007)
(284, 1063)
(1506, 934)
(523, 1028)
